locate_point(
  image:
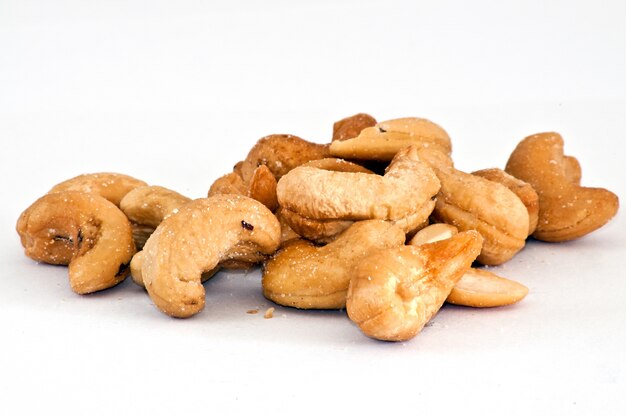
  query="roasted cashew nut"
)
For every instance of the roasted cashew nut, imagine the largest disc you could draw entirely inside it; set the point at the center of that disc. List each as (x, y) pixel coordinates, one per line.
(83, 230)
(566, 210)
(147, 206)
(350, 127)
(522, 189)
(471, 202)
(281, 153)
(111, 186)
(315, 193)
(384, 140)
(261, 186)
(395, 292)
(477, 288)
(196, 239)
(304, 276)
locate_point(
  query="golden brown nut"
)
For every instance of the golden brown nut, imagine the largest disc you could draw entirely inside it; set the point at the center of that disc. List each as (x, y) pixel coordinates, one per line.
(111, 186)
(384, 140)
(573, 172)
(196, 239)
(83, 230)
(321, 194)
(350, 127)
(522, 189)
(480, 288)
(281, 153)
(304, 276)
(137, 263)
(321, 231)
(395, 292)
(477, 288)
(147, 206)
(261, 186)
(566, 210)
(473, 203)
(336, 165)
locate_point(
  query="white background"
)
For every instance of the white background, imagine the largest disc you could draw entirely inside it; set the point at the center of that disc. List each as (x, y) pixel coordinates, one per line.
(175, 93)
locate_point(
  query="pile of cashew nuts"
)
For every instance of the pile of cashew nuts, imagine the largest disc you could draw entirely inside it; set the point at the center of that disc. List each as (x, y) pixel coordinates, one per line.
(378, 223)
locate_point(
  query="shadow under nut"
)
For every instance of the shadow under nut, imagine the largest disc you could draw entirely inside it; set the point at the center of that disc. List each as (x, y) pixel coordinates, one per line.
(196, 239)
(83, 230)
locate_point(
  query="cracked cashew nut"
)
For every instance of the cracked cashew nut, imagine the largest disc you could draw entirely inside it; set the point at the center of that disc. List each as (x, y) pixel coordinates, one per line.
(566, 210)
(82, 230)
(477, 288)
(196, 239)
(304, 276)
(395, 292)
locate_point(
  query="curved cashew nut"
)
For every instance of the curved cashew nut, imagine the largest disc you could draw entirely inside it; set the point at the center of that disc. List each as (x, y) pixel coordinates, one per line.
(320, 194)
(477, 288)
(147, 206)
(474, 203)
(111, 186)
(395, 292)
(522, 189)
(83, 230)
(196, 239)
(566, 210)
(350, 127)
(304, 276)
(384, 140)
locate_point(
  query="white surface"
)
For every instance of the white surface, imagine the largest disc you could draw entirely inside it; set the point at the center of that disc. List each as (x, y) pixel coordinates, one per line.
(175, 95)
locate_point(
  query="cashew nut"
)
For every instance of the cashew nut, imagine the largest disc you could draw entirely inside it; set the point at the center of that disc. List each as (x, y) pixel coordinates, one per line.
(474, 203)
(522, 189)
(83, 230)
(477, 288)
(304, 276)
(566, 210)
(147, 206)
(320, 194)
(281, 153)
(350, 127)
(261, 186)
(196, 239)
(384, 140)
(395, 292)
(112, 186)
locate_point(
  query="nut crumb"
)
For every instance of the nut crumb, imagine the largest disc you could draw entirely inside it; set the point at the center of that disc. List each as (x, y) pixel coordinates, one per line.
(252, 311)
(269, 313)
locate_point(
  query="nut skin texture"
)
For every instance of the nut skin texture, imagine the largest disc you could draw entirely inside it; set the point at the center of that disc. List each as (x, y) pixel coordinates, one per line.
(384, 140)
(523, 190)
(315, 193)
(84, 231)
(567, 211)
(196, 239)
(304, 276)
(350, 127)
(111, 186)
(395, 292)
(471, 202)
